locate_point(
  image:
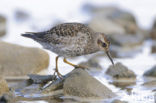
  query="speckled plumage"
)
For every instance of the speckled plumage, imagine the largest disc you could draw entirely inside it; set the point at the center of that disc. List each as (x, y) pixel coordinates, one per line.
(68, 39)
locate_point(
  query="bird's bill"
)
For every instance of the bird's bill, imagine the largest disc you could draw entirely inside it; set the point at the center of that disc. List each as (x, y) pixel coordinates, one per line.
(109, 56)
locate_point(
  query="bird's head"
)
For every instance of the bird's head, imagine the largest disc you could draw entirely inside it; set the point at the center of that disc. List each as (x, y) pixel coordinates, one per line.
(103, 44)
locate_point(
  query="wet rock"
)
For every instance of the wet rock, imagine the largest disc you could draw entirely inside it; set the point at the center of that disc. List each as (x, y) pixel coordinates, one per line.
(122, 52)
(7, 98)
(91, 64)
(153, 31)
(123, 84)
(76, 83)
(112, 20)
(3, 86)
(2, 25)
(151, 72)
(17, 60)
(118, 101)
(80, 83)
(154, 48)
(41, 79)
(120, 71)
(105, 25)
(125, 45)
(145, 33)
(126, 20)
(120, 26)
(150, 84)
(126, 40)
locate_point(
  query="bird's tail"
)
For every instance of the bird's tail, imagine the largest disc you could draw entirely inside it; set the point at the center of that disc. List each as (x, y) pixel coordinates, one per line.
(29, 35)
(34, 35)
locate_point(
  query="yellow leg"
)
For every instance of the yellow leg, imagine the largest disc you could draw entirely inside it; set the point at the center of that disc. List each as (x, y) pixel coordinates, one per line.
(56, 70)
(76, 66)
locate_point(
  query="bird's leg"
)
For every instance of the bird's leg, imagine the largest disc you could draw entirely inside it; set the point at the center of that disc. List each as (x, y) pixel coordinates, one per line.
(76, 66)
(56, 70)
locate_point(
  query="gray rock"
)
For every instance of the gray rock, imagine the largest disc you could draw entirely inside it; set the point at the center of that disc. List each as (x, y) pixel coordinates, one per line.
(112, 20)
(76, 83)
(2, 26)
(120, 71)
(153, 31)
(121, 28)
(91, 64)
(41, 79)
(3, 86)
(97, 10)
(154, 48)
(105, 25)
(150, 84)
(17, 60)
(126, 40)
(80, 83)
(8, 98)
(118, 101)
(151, 72)
(124, 84)
(121, 52)
(125, 45)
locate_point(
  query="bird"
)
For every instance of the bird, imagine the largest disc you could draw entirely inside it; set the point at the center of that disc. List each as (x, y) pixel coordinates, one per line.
(71, 40)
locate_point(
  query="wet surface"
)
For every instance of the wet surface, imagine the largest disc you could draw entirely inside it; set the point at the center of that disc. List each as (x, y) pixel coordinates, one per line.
(137, 90)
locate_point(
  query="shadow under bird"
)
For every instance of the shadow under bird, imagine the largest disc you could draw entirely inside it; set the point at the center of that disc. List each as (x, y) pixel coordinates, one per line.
(71, 40)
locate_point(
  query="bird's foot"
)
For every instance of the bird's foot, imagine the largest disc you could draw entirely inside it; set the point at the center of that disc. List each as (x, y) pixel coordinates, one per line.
(58, 74)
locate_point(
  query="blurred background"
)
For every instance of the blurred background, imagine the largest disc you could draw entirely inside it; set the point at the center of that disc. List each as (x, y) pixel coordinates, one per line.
(129, 24)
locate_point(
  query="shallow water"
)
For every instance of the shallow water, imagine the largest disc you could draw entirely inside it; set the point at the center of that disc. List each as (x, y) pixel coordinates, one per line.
(126, 89)
(133, 92)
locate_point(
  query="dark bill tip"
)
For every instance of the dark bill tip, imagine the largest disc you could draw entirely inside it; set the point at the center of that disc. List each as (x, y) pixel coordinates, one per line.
(109, 56)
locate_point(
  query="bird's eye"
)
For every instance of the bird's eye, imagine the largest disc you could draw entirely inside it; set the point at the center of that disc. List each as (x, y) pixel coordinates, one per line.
(104, 44)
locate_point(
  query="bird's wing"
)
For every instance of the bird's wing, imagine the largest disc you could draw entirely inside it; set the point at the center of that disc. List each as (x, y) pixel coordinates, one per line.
(66, 33)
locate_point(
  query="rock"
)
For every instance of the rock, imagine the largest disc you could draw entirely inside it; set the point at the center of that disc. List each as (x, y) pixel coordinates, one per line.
(2, 26)
(153, 31)
(91, 64)
(120, 71)
(76, 83)
(154, 48)
(126, 40)
(3, 86)
(150, 84)
(97, 10)
(80, 83)
(8, 98)
(153, 34)
(118, 101)
(145, 33)
(123, 83)
(41, 79)
(126, 20)
(112, 20)
(125, 45)
(121, 52)
(17, 60)
(105, 25)
(151, 72)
